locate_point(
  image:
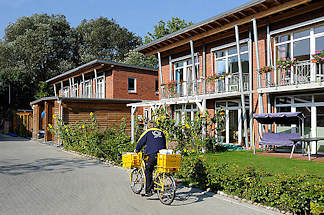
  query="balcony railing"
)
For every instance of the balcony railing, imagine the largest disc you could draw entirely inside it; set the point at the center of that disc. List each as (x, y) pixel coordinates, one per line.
(303, 72)
(229, 83)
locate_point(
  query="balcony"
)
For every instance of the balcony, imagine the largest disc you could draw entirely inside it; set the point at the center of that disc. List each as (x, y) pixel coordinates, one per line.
(302, 73)
(229, 83)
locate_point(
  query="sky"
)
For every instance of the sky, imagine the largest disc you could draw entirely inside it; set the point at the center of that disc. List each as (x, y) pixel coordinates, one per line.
(138, 16)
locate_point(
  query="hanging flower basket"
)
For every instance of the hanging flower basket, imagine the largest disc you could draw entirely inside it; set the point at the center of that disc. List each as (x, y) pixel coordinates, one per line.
(265, 69)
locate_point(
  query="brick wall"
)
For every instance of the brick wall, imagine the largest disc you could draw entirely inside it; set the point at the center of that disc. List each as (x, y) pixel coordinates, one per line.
(145, 84)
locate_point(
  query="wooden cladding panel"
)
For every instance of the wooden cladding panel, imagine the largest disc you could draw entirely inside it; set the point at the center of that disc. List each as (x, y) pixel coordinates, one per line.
(107, 115)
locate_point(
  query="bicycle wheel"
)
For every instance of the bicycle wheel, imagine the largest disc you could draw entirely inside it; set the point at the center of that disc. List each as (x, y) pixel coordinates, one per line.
(166, 195)
(137, 180)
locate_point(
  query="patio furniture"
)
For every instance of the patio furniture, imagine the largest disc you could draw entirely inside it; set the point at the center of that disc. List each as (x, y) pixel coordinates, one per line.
(307, 142)
(280, 139)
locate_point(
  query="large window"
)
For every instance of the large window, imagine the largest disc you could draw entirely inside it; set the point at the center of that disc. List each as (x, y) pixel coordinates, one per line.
(226, 60)
(101, 87)
(300, 43)
(132, 85)
(88, 89)
(183, 70)
(312, 106)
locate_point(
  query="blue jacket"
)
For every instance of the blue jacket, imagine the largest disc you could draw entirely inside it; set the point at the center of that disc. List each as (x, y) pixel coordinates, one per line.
(153, 139)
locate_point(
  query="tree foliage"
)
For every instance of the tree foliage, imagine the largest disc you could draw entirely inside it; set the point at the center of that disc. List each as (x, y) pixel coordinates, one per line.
(135, 58)
(35, 49)
(104, 39)
(160, 30)
(165, 28)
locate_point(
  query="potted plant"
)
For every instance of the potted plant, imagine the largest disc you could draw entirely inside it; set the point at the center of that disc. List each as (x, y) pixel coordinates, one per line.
(318, 57)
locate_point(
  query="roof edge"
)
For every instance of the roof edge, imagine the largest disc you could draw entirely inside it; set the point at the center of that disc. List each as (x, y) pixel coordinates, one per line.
(204, 22)
(100, 61)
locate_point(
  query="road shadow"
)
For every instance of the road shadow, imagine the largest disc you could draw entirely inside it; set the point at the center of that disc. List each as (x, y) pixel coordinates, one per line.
(45, 165)
(4, 137)
(188, 196)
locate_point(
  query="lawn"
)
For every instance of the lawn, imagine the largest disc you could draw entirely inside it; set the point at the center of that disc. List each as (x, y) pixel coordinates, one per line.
(273, 165)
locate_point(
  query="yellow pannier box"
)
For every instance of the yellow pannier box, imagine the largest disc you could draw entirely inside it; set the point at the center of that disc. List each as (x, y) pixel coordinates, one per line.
(131, 160)
(168, 163)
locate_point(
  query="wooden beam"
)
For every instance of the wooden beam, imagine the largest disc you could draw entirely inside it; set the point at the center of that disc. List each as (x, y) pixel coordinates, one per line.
(251, 9)
(245, 20)
(264, 6)
(227, 20)
(236, 17)
(204, 30)
(241, 12)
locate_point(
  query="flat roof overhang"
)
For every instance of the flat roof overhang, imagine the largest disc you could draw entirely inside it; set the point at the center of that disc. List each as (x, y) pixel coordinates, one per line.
(267, 10)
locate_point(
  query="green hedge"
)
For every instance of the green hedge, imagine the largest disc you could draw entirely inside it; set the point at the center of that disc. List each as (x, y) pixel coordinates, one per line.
(300, 194)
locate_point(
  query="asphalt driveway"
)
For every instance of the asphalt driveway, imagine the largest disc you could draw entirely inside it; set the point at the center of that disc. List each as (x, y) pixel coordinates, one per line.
(41, 179)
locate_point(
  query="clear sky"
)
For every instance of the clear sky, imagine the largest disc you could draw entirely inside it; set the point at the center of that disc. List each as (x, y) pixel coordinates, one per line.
(138, 16)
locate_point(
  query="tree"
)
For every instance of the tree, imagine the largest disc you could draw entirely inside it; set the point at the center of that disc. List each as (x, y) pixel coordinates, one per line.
(104, 39)
(35, 49)
(162, 28)
(135, 58)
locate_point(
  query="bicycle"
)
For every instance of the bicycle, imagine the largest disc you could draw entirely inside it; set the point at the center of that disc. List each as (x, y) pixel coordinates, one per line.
(164, 183)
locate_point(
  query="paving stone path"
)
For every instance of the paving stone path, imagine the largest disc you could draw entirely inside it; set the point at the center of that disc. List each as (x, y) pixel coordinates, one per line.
(41, 179)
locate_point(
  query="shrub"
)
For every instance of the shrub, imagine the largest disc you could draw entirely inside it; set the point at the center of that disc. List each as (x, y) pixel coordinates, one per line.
(300, 194)
(193, 170)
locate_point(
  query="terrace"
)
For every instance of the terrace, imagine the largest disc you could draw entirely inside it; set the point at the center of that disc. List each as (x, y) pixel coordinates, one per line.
(222, 84)
(303, 73)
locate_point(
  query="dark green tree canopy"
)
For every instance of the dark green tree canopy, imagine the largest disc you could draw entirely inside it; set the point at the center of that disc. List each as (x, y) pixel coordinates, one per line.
(162, 28)
(35, 49)
(104, 39)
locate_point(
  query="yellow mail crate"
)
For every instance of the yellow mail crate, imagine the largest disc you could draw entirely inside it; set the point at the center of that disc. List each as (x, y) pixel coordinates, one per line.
(168, 163)
(132, 160)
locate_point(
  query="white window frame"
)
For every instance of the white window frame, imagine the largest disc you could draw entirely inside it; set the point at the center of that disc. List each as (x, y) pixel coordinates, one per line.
(225, 48)
(88, 85)
(131, 91)
(75, 90)
(66, 92)
(100, 83)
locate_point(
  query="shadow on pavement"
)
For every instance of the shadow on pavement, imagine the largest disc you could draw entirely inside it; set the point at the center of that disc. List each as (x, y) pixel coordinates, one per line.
(187, 196)
(4, 137)
(45, 165)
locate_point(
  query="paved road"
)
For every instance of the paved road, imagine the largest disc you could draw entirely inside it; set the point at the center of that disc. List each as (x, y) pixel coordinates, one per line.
(40, 179)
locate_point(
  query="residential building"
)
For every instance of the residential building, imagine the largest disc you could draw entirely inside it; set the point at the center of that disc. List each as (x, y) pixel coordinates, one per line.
(218, 63)
(101, 87)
